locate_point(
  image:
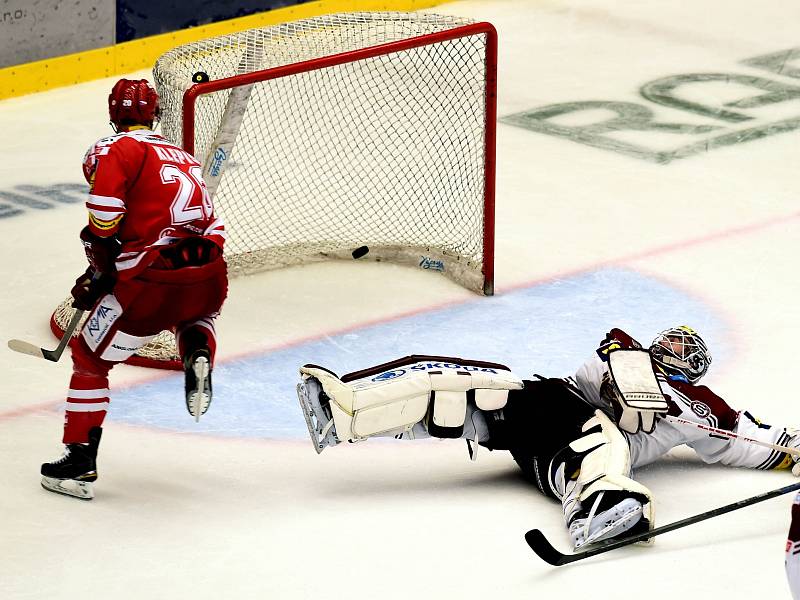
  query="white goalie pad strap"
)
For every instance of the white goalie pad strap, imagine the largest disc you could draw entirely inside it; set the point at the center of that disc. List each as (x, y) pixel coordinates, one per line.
(491, 399)
(450, 409)
(396, 399)
(636, 389)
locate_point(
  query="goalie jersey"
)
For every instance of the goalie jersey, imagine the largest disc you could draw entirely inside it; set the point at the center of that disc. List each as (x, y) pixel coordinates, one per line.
(690, 402)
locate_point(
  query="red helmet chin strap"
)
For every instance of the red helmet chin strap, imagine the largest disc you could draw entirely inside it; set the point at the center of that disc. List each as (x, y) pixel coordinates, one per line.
(132, 102)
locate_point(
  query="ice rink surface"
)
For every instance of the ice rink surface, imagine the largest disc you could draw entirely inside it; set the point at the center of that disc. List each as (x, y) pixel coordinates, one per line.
(643, 196)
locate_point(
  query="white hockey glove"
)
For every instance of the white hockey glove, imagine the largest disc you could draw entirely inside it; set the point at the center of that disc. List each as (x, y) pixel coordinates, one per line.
(632, 390)
(794, 442)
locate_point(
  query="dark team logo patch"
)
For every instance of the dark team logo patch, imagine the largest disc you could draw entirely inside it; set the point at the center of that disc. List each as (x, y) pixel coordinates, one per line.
(701, 409)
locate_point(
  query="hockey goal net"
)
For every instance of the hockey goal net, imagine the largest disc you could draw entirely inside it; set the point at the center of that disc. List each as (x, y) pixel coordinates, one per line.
(340, 136)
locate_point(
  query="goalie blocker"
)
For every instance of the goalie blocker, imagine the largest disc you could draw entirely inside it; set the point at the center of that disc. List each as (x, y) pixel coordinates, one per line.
(632, 390)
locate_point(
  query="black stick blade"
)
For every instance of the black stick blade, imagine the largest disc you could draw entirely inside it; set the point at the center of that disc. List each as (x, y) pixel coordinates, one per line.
(544, 549)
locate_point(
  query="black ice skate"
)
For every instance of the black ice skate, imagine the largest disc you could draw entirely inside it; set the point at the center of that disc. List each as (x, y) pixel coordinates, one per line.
(73, 473)
(197, 368)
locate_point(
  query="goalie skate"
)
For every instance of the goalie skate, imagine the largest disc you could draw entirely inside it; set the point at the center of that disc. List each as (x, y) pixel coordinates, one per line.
(316, 410)
(605, 525)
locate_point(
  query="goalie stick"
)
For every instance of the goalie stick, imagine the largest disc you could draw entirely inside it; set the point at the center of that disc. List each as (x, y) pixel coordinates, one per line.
(731, 435)
(545, 550)
(53, 355)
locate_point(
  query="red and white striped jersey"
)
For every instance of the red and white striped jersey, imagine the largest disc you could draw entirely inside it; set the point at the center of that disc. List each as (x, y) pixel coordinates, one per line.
(150, 194)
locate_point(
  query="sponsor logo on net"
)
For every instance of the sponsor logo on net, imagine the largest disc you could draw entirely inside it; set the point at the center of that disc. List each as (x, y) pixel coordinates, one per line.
(216, 164)
(426, 262)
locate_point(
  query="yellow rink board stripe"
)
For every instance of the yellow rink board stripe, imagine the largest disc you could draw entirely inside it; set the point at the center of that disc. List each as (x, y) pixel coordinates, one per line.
(139, 54)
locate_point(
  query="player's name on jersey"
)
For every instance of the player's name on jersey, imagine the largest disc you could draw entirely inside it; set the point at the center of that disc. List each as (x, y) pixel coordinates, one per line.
(752, 114)
(176, 155)
(21, 199)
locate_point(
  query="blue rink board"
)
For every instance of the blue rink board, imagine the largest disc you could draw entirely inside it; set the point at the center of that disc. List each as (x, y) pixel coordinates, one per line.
(549, 329)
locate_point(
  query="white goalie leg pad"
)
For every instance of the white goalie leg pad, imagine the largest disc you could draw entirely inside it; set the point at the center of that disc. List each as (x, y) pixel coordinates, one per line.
(599, 498)
(392, 398)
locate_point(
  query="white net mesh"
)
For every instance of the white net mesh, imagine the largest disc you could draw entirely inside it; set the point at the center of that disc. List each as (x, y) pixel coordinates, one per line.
(386, 152)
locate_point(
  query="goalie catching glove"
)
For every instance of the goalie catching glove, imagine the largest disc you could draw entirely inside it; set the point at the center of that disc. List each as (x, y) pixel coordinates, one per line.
(391, 398)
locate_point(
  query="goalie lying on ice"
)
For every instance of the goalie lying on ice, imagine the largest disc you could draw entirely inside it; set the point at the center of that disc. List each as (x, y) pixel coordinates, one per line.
(576, 438)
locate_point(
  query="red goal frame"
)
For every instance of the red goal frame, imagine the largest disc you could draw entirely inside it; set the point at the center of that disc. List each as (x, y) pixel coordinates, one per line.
(192, 93)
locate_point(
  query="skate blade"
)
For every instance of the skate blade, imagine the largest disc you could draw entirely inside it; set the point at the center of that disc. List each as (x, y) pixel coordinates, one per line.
(620, 526)
(199, 400)
(83, 490)
(320, 426)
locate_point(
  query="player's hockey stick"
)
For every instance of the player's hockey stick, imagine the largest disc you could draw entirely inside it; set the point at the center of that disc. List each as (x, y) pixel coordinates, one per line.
(732, 435)
(545, 550)
(54, 355)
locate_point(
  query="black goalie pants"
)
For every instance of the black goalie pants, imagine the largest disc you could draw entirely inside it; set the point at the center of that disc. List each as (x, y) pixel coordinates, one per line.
(537, 422)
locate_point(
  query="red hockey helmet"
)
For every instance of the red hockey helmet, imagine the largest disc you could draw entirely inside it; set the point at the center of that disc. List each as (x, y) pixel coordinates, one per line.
(133, 102)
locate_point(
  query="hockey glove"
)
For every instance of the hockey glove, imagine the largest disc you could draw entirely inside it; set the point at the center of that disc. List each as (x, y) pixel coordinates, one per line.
(794, 442)
(100, 252)
(88, 290)
(614, 340)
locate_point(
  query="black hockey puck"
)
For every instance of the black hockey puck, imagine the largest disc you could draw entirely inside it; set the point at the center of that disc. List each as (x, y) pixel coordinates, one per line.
(360, 251)
(200, 77)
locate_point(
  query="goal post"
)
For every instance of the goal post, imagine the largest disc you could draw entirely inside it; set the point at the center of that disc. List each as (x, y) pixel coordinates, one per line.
(342, 136)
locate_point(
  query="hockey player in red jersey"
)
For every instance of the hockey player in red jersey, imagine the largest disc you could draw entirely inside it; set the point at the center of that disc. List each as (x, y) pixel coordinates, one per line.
(154, 247)
(577, 439)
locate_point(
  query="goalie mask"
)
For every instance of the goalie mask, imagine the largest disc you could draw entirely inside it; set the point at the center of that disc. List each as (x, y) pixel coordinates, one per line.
(681, 353)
